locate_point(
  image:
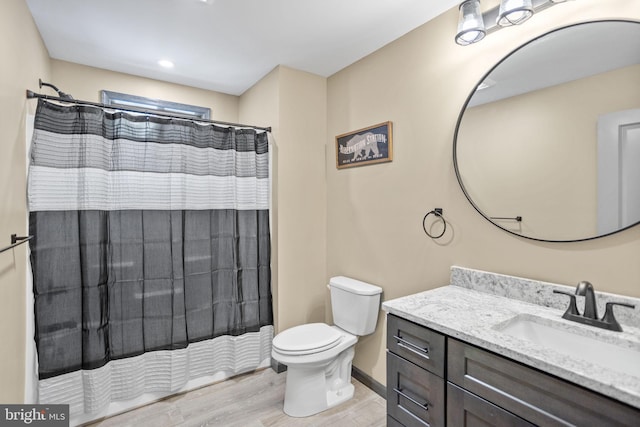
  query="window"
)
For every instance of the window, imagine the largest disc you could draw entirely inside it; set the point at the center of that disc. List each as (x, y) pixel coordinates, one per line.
(123, 100)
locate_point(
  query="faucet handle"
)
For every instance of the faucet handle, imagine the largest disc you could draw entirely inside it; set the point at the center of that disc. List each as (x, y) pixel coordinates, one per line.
(609, 317)
(572, 310)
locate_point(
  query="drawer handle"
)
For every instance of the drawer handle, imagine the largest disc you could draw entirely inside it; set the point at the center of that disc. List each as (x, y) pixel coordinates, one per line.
(422, 352)
(424, 406)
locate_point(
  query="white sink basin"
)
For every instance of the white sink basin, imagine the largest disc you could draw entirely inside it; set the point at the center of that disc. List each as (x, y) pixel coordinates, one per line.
(622, 357)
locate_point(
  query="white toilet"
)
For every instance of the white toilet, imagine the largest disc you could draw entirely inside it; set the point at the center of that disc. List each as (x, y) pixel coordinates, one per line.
(319, 356)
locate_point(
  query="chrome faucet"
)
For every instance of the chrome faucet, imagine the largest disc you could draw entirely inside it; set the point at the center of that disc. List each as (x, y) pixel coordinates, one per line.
(590, 313)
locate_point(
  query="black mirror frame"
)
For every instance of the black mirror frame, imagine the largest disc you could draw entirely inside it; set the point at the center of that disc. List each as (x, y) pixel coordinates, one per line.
(459, 121)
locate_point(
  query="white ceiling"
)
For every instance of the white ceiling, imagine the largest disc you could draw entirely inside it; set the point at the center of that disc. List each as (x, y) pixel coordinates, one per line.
(225, 45)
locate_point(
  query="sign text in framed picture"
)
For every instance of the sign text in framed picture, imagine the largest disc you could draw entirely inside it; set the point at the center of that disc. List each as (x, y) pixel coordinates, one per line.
(373, 144)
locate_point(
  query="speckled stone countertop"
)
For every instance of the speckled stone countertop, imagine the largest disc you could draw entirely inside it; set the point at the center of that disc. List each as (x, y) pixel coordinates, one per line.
(477, 305)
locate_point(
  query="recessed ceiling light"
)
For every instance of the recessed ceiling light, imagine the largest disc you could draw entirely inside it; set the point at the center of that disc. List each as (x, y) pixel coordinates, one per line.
(165, 63)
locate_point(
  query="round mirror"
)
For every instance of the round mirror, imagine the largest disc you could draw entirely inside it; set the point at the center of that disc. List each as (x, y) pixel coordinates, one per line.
(548, 144)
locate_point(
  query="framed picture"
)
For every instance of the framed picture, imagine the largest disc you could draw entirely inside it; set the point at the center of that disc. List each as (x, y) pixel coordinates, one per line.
(373, 144)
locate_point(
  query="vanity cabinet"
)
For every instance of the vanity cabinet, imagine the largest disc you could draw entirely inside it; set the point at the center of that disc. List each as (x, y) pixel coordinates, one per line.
(467, 409)
(415, 374)
(482, 388)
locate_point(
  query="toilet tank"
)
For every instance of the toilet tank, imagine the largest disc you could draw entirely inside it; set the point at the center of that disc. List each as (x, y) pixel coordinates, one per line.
(354, 305)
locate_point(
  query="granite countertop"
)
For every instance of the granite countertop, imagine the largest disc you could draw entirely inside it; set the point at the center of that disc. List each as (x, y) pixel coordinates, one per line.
(476, 305)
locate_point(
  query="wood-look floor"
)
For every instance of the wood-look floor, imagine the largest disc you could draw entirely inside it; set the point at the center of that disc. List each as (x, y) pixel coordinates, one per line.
(250, 400)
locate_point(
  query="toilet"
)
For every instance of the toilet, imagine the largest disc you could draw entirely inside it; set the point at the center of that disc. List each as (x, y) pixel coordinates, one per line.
(318, 356)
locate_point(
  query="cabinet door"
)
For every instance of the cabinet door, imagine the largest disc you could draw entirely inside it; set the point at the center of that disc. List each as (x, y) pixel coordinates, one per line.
(415, 397)
(420, 345)
(531, 394)
(468, 410)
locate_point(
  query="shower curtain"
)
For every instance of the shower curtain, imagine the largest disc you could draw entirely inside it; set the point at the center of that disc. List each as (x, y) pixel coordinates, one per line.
(151, 255)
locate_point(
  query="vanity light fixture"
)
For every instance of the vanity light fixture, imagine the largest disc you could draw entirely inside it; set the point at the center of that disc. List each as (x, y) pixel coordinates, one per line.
(514, 12)
(471, 23)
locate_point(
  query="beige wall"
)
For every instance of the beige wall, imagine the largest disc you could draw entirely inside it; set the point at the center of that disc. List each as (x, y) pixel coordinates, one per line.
(24, 60)
(374, 213)
(85, 83)
(361, 222)
(301, 198)
(542, 163)
(259, 105)
(294, 102)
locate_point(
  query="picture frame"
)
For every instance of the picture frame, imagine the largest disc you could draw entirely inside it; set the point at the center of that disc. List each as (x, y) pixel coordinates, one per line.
(366, 146)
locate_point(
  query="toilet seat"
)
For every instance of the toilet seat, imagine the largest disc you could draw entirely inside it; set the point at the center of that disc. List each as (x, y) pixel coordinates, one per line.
(307, 339)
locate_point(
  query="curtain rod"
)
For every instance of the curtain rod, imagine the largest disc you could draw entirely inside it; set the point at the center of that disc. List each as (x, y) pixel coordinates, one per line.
(31, 94)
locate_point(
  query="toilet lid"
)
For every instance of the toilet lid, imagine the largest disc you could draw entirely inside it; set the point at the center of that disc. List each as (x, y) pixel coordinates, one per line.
(307, 339)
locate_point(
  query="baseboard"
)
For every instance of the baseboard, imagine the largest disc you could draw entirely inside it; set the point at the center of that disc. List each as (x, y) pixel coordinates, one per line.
(277, 366)
(365, 379)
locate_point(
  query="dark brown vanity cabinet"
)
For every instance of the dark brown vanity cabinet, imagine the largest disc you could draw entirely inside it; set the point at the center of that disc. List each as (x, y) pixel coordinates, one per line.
(463, 385)
(415, 374)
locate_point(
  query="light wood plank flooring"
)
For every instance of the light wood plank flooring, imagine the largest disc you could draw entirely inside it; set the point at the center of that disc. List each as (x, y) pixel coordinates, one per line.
(250, 400)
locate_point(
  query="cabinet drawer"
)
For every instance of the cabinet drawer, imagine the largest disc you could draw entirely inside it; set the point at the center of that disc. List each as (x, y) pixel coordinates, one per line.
(416, 343)
(415, 397)
(391, 422)
(468, 410)
(531, 394)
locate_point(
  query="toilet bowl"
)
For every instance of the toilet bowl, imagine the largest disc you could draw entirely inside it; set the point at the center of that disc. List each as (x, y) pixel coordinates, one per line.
(318, 373)
(318, 356)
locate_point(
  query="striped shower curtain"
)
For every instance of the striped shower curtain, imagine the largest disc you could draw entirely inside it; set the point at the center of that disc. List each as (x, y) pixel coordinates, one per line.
(151, 255)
